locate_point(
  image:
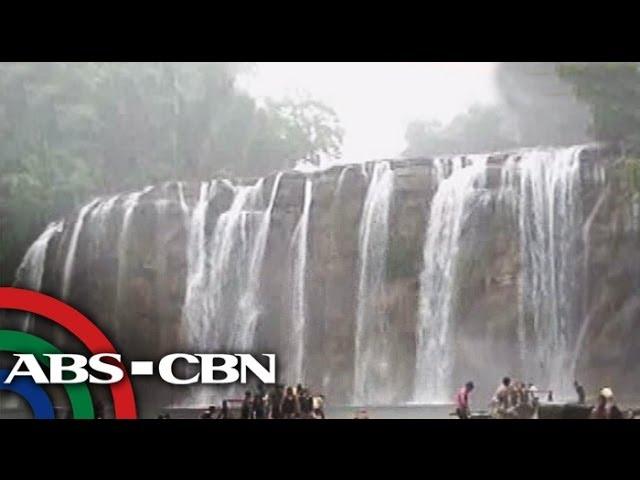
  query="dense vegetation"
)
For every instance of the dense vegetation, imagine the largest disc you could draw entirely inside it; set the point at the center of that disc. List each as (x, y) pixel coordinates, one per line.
(612, 93)
(543, 104)
(70, 131)
(480, 129)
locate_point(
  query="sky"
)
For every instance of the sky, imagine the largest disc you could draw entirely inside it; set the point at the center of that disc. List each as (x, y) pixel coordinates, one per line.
(376, 101)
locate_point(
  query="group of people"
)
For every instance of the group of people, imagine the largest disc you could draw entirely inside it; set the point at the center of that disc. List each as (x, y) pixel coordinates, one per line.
(606, 407)
(282, 403)
(516, 399)
(511, 400)
(279, 403)
(520, 400)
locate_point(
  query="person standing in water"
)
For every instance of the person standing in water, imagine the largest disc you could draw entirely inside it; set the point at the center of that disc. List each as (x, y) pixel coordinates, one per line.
(318, 407)
(533, 393)
(223, 414)
(501, 396)
(275, 401)
(580, 391)
(500, 401)
(289, 404)
(259, 405)
(209, 414)
(606, 407)
(599, 412)
(305, 402)
(246, 412)
(462, 401)
(613, 412)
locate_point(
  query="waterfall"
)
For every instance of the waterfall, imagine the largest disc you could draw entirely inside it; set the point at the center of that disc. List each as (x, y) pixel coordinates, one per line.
(295, 364)
(102, 212)
(98, 220)
(183, 201)
(229, 262)
(363, 170)
(343, 268)
(221, 306)
(222, 301)
(586, 243)
(71, 250)
(450, 207)
(130, 203)
(249, 306)
(550, 236)
(31, 270)
(341, 177)
(372, 355)
(508, 201)
(510, 186)
(194, 309)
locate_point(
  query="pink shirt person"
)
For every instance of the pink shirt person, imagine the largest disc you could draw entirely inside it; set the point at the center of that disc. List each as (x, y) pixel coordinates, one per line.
(462, 400)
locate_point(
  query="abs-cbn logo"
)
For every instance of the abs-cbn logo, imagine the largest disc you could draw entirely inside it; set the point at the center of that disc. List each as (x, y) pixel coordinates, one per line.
(69, 368)
(39, 362)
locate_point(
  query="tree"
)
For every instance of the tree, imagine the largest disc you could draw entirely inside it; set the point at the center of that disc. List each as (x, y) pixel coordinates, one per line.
(310, 129)
(70, 131)
(480, 129)
(612, 92)
(540, 105)
(536, 106)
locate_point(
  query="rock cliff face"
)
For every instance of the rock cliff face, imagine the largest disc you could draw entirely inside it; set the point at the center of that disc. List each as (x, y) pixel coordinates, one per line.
(538, 266)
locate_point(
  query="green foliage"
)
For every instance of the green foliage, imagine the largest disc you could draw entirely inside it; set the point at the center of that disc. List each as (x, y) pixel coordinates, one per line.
(543, 103)
(311, 128)
(612, 91)
(480, 129)
(541, 107)
(69, 131)
(536, 107)
(633, 173)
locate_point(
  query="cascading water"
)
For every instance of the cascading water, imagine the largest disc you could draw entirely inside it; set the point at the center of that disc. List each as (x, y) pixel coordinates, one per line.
(249, 307)
(509, 205)
(183, 202)
(130, 203)
(537, 241)
(340, 182)
(229, 262)
(586, 243)
(450, 207)
(296, 343)
(550, 236)
(222, 302)
(97, 221)
(372, 352)
(71, 250)
(195, 309)
(31, 269)
(102, 212)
